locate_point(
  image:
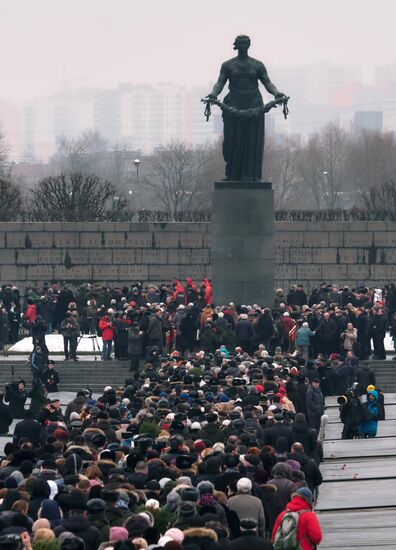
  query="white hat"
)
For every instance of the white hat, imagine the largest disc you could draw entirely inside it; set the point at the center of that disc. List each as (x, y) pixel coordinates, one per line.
(220, 314)
(181, 306)
(152, 503)
(108, 388)
(286, 314)
(163, 481)
(195, 426)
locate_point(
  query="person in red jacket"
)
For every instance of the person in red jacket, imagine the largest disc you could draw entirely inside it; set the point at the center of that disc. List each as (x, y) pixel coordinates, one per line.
(179, 295)
(208, 292)
(106, 326)
(288, 325)
(31, 312)
(309, 533)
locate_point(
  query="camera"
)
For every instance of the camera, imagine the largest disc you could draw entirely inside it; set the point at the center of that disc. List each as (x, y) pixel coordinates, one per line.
(11, 542)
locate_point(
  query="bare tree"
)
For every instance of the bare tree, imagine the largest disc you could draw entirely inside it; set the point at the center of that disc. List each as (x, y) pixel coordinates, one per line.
(323, 167)
(78, 155)
(10, 201)
(381, 201)
(180, 178)
(92, 154)
(4, 150)
(280, 167)
(77, 197)
(372, 160)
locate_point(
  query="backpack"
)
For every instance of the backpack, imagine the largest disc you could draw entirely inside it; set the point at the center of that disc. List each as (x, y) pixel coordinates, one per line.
(286, 535)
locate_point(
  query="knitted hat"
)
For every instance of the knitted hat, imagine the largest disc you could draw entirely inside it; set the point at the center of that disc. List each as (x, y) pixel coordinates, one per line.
(175, 534)
(305, 493)
(118, 533)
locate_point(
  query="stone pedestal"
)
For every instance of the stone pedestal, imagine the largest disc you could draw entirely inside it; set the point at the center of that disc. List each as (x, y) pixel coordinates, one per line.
(242, 253)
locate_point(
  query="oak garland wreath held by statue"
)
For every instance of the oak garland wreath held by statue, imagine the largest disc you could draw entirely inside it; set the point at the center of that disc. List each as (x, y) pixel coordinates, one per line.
(243, 112)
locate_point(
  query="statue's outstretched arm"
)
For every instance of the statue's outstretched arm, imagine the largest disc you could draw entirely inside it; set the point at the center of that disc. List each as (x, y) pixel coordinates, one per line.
(264, 79)
(218, 87)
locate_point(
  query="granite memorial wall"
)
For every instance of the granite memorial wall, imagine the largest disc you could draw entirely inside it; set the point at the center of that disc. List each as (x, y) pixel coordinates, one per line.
(309, 253)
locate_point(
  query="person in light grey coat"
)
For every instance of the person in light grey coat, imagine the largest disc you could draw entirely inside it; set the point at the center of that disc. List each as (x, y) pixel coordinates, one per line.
(315, 404)
(247, 506)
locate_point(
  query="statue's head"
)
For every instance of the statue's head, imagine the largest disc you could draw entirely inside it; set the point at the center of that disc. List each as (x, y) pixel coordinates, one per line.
(242, 41)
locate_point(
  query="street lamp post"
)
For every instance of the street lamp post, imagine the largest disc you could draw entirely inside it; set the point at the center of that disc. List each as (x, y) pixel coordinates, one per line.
(136, 162)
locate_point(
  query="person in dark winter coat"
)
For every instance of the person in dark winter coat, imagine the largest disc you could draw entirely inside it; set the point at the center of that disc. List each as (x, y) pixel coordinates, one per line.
(187, 332)
(303, 434)
(4, 327)
(212, 432)
(49, 509)
(70, 331)
(342, 373)
(244, 332)
(135, 347)
(38, 329)
(264, 329)
(364, 377)
(301, 389)
(37, 396)
(17, 399)
(327, 332)
(50, 378)
(97, 517)
(29, 429)
(5, 416)
(271, 504)
(279, 429)
(40, 491)
(281, 474)
(78, 524)
(378, 330)
(249, 539)
(76, 405)
(313, 477)
(325, 372)
(315, 404)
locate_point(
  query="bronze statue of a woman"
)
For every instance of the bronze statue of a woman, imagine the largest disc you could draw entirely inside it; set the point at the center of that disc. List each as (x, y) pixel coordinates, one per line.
(243, 112)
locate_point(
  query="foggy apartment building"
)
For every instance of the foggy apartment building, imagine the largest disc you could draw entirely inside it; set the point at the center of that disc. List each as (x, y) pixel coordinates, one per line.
(146, 117)
(138, 117)
(66, 114)
(320, 93)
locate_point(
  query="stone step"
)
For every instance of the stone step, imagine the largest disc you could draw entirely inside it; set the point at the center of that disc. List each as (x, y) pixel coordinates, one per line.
(73, 376)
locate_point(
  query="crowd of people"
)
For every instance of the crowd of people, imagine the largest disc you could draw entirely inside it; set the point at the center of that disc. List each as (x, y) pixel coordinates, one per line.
(182, 316)
(211, 442)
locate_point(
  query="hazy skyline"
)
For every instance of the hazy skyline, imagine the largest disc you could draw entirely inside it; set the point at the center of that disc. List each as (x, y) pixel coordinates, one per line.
(48, 44)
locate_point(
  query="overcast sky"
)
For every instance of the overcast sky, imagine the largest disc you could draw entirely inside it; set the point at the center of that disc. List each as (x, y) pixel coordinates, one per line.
(47, 43)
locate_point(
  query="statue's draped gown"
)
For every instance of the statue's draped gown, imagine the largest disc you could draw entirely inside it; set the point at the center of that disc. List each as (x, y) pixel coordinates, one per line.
(243, 144)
